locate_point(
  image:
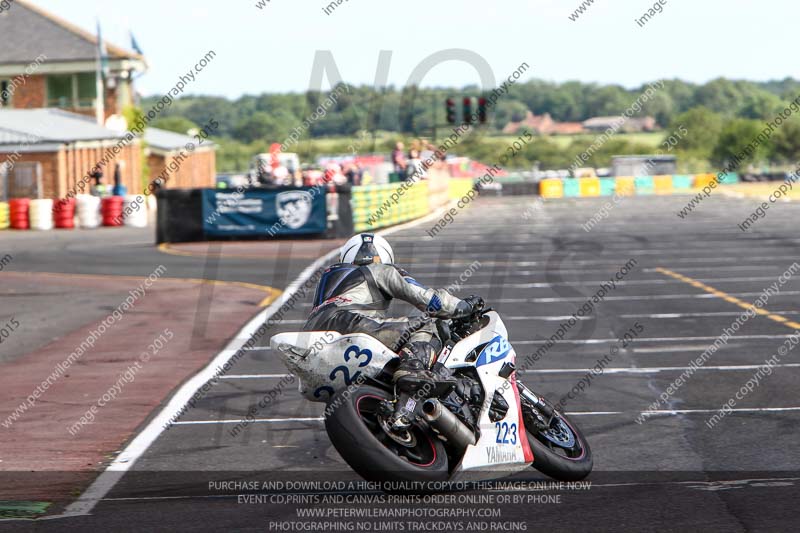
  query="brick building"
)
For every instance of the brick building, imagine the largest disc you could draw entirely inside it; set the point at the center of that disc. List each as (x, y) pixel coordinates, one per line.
(48, 153)
(48, 62)
(543, 125)
(168, 159)
(54, 129)
(626, 125)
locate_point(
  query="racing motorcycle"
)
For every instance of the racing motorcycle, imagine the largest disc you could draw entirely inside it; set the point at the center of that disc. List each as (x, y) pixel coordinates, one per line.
(478, 422)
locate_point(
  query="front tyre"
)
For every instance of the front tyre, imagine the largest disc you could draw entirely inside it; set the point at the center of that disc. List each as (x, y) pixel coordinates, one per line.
(361, 436)
(560, 450)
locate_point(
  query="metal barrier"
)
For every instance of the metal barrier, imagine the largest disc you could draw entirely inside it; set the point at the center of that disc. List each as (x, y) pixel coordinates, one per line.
(378, 206)
(628, 185)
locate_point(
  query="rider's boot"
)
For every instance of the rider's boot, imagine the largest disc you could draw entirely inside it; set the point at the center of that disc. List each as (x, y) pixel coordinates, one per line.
(413, 375)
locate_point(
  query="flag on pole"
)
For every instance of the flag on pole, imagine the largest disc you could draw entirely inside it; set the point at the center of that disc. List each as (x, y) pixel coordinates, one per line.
(102, 53)
(100, 75)
(135, 45)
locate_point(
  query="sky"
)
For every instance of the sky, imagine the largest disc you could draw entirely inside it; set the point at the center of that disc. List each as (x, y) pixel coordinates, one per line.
(273, 49)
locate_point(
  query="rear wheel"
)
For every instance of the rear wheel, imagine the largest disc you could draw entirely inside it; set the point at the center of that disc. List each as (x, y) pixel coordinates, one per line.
(559, 448)
(365, 441)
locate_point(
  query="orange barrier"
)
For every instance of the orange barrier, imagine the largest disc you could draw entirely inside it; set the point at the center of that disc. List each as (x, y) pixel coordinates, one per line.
(662, 184)
(704, 180)
(626, 185)
(590, 186)
(551, 188)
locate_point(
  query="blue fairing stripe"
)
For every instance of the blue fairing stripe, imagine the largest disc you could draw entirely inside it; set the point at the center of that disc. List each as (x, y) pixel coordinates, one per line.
(435, 304)
(412, 281)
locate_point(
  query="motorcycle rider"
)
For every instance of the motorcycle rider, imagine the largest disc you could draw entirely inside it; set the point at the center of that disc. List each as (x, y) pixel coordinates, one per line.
(354, 295)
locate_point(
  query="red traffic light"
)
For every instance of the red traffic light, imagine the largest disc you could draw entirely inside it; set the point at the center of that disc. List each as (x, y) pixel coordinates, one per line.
(483, 110)
(451, 110)
(467, 102)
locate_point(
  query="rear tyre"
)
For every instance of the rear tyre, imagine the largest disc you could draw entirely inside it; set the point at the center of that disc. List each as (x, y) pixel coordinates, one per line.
(359, 435)
(560, 451)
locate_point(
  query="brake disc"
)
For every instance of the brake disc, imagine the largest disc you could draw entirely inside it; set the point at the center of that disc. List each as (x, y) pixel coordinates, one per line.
(404, 438)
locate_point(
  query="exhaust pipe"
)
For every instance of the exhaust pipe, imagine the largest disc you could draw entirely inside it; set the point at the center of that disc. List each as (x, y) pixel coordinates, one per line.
(447, 424)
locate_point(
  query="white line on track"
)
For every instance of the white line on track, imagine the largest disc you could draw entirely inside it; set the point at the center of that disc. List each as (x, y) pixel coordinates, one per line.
(548, 318)
(654, 370)
(693, 315)
(602, 341)
(551, 318)
(636, 297)
(636, 252)
(262, 420)
(647, 414)
(133, 451)
(139, 445)
(537, 285)
(449, 272)
(418, 258)
(725, 267)
(255, 376)
(619, 370)
(539, 317)
(654, 339)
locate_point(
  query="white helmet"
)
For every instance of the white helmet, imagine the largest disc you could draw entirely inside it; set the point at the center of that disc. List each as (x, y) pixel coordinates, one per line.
(364, 248)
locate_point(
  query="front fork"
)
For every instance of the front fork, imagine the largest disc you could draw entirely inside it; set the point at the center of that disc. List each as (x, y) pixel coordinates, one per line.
(547, 411)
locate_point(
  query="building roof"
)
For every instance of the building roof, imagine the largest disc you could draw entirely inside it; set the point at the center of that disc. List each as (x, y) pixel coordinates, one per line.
(28, 32)
(47, 129)
(568, 128)
(602, 122)
(168, 141)
(42, 126)
(544, 125)
(646, 123)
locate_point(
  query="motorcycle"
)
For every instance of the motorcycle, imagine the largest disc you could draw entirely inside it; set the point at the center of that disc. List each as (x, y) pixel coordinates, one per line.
(481, 423)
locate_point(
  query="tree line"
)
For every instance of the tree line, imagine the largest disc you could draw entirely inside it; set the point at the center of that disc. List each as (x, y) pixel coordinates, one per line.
(720, 116)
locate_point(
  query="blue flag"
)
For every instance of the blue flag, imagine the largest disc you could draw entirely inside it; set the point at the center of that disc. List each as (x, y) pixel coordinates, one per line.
(135, 45)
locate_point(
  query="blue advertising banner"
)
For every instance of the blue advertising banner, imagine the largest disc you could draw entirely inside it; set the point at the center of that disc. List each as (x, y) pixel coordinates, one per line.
(264, 212)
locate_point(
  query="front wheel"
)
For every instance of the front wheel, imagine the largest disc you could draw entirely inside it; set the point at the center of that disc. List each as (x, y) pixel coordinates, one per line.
(364, 440)
(560, 450)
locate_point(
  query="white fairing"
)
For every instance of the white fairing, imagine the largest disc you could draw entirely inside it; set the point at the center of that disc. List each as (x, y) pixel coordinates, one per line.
(327, 362)
(503, 445)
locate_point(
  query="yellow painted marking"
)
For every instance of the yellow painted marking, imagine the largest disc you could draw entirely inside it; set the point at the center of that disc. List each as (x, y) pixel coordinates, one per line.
(272, 292)
(728, 298)
(167, 248)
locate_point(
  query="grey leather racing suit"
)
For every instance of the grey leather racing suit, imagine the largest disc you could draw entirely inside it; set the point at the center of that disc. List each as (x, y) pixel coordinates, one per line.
(355, 299)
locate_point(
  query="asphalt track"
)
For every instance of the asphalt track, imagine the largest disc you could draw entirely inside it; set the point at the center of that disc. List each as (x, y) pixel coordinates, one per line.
(537, 266)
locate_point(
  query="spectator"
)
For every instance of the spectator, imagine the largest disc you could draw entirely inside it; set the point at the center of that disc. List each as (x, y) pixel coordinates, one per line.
(281, 176)
(99, 188)
(414, 168)
(263, 172)
(157, 185)
(398, 159)
(119, 189)
(428, 152)
(353, 173)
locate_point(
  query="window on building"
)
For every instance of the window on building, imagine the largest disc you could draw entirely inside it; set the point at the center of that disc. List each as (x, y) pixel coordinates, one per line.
(71, 90)
(87, 89)
(6, 93)
(59, 91)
